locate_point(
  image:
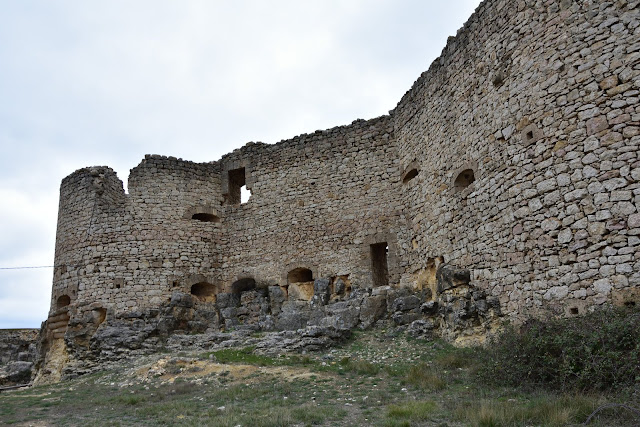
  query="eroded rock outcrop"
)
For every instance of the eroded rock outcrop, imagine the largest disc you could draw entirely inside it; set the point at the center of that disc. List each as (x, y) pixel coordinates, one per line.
(17, 355)
(95, 335)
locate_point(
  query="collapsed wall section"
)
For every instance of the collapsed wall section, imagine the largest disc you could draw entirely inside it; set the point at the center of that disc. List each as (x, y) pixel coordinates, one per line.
(526, 133)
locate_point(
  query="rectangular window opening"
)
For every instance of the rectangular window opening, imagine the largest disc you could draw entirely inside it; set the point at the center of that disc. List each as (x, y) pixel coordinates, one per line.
(379, 265)
(237, 181)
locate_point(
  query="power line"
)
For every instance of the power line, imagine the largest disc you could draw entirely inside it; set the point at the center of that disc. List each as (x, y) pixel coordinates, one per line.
(40, 266)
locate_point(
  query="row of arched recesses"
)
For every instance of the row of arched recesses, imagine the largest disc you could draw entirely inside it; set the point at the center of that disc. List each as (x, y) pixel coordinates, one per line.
(299, 286)
(462, 180)
(207, 292)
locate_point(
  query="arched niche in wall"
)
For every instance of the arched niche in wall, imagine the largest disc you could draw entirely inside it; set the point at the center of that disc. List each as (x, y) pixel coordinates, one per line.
(300, 269)
(410, 172)
(204, 291)
(63, 301)
(300, 283)
(300, 275)
(205, 217)
(202, 214)
(243, 285)
(464, 177)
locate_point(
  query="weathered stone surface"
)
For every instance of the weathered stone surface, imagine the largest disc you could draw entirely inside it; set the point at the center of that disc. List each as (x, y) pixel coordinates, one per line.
(430, 307)
(341, 317)
(18, 352)
(449, 277)
(322, 291)
(405, 303)
(16, 373)
(421, 328)
(277, 297)
(372, 309)
(404, 318)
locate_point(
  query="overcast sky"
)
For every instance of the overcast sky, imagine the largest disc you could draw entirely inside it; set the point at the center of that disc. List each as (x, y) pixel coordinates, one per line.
(86, 83)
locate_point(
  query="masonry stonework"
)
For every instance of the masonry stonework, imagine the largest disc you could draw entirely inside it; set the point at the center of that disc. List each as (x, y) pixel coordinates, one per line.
(510, 168)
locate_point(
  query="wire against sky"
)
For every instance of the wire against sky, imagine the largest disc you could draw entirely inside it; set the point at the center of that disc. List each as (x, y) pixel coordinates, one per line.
(24, 268)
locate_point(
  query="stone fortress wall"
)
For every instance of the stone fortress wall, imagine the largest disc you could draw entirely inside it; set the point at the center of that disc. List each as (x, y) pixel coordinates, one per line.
(515, 156)
(540, 101)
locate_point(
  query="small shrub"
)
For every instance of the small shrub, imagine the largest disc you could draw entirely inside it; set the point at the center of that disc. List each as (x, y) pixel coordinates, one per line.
(457, 358)
(412, 411)
(362, 367)
(598, 351)
(344, 361)
(422, 376)
(547, 410)
(128, 400)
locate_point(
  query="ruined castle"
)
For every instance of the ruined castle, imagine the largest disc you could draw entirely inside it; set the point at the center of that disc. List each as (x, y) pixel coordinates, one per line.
(506, 180)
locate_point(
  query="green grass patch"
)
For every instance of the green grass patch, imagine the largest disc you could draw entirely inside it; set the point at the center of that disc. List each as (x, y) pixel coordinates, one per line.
(244, 355)
(410, 411)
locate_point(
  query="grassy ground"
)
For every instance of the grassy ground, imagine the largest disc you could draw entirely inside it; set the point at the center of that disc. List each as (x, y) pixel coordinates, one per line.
(375, 379)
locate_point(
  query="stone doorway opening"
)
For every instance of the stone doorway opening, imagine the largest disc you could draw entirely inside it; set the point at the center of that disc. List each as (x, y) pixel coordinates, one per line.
(379, 264)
